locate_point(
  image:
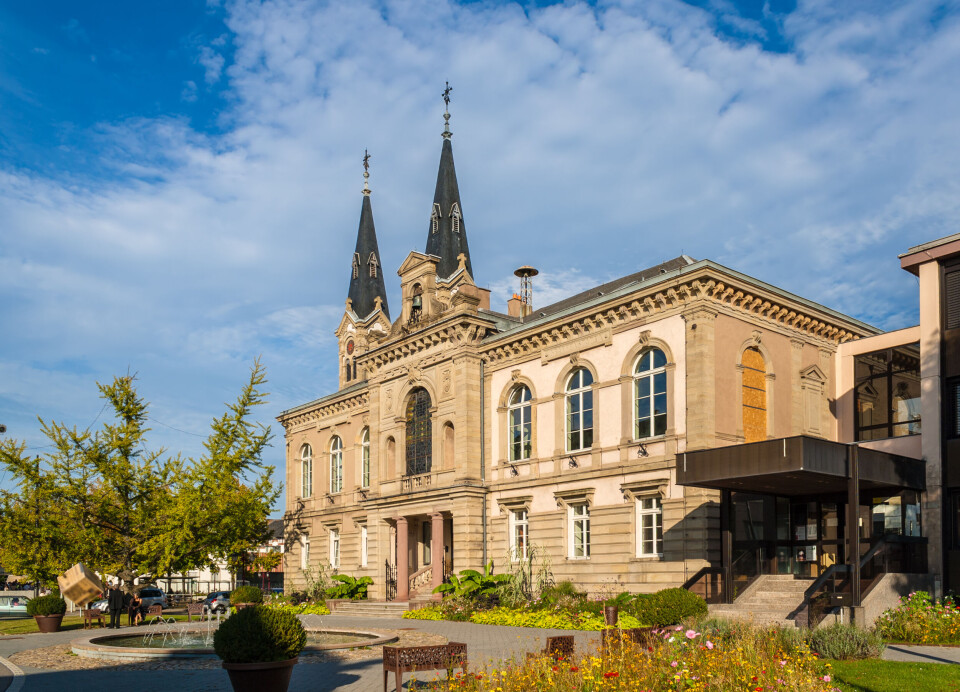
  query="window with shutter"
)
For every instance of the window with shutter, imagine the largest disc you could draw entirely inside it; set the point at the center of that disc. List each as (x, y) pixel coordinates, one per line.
(951, 285)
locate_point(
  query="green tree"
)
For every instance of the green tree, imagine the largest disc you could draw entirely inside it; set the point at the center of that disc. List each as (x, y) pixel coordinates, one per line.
(224, 498)
(100, 493)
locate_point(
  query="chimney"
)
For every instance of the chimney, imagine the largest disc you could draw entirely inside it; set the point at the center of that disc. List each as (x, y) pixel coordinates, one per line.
(515, 306)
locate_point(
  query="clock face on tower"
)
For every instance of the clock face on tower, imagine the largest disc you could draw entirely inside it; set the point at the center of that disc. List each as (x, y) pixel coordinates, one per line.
(350, 348)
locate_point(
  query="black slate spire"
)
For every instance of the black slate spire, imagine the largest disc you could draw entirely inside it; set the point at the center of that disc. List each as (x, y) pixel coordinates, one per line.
(366, 277)
(447, 237)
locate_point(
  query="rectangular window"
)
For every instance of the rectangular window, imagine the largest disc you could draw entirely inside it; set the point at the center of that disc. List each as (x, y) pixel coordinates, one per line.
(887, 393)
(952, 421)
(365, 470)
(427, 531)
(304, 552)
(579, 516)
(649, 527)
(334, 548)
(519, 527)
(363, 545)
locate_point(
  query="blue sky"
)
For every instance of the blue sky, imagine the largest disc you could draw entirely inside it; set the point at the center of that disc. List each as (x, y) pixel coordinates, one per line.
(179, 181)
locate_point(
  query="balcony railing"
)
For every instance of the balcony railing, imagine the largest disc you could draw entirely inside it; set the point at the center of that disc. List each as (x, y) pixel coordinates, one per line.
(409, 484)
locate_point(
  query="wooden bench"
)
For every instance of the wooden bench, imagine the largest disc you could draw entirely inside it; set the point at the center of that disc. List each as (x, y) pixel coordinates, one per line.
(407, 659)
(638, 636)
(197, 609)
(91, 614)
(558, 648)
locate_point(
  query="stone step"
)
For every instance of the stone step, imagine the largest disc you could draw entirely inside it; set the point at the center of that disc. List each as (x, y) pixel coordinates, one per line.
(372, 609)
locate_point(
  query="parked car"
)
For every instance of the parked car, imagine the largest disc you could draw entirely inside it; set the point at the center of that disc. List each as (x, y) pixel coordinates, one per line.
(100, 605)
(13, 606)
(151, 596)
(217, 602)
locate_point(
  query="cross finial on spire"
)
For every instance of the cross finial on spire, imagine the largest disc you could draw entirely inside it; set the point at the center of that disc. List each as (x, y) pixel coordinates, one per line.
(446, 111)
(366, 172)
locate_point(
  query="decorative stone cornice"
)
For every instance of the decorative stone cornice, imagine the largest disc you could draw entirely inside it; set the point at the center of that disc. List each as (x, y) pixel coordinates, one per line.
(426, 343)
(308, 417)
(708, 292)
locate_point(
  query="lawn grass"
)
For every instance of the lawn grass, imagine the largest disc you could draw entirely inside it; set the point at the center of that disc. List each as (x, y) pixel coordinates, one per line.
(70, 622)
(874, 675)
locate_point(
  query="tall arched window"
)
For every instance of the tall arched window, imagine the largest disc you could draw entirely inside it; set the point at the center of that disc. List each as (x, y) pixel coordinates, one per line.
(365, 458)
(519, 416)
(306, 471)
(579, 410)
(754, 372)
(419, 433)
(650, 394)
(336, 464)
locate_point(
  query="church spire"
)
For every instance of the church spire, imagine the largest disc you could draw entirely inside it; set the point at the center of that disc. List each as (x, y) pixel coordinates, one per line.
(366, 278)
(447, 237)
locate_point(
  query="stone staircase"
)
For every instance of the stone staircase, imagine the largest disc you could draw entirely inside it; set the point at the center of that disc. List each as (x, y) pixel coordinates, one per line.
(771, 599)
(373, 609)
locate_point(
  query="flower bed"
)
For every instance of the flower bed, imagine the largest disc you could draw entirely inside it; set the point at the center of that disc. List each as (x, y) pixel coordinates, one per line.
(678, 659)
(302, 609)
(920, 620)
(545, 619)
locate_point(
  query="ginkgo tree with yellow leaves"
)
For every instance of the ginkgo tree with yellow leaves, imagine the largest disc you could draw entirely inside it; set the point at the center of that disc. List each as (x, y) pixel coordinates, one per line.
(106, 499)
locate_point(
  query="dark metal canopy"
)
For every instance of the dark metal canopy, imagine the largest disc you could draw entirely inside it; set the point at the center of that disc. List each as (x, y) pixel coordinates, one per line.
(796, 466)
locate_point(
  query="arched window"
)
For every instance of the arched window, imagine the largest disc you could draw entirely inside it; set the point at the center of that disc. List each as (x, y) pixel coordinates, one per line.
(650, 394)
(754, 372)
(579, 410)
(449, 446)
(365, 458)
(372, 262)
(519, 410)
(419, 433)
(336, 464)
(306, 471)
(435, 218)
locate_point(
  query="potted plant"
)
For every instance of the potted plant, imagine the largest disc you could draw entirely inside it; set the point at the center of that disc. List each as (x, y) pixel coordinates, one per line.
(259, 647)
(47, 611)
(246, 596)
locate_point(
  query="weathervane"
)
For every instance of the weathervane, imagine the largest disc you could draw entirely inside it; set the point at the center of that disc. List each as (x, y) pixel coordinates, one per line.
(366, 171)
(446, 112)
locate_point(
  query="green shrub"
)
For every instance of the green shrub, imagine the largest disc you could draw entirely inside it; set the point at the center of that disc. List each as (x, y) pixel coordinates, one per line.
(844, 642)
(258, 635)
(667, 607)
(346, 586)
(46, 605)
(246, 594)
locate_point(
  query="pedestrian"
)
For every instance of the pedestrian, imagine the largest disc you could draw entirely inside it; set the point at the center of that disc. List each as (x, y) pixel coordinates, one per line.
(115, 605)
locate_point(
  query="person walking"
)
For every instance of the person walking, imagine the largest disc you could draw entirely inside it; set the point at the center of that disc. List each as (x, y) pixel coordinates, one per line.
(115, 605)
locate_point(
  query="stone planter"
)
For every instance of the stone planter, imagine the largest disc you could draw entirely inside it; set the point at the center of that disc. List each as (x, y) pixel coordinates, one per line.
(611, 615)
(259, 677)
(48, 623)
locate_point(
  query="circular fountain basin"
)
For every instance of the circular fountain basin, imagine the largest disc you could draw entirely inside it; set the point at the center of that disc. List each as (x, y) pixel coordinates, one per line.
(197, 643)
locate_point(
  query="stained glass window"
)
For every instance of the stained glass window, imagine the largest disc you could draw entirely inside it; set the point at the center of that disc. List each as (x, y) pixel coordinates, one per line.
(419, 433)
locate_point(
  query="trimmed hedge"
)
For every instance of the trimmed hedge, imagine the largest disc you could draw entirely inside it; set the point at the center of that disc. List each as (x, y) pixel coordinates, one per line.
(668, 607)
(46, 605)
(246, 594)
(258, 635)
(302, 609)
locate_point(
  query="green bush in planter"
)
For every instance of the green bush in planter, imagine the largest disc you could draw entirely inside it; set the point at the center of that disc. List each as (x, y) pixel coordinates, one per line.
(260, 635)
(246, 594)
(46, 605)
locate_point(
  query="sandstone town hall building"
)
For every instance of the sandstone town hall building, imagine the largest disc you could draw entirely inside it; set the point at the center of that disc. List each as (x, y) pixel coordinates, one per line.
(460, 435)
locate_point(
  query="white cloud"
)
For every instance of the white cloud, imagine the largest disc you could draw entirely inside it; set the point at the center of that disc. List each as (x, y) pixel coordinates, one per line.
(590, 141)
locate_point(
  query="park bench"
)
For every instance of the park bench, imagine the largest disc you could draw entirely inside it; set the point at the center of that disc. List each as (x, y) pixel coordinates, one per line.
(154, 615)
(197, 609)
(638, 636)
(406, 659)
(91, 614)
(558, 648)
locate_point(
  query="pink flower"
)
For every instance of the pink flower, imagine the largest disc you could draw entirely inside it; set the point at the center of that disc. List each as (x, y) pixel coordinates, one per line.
(826, 678)
(710, 645)
(673, 664)
(691, 634)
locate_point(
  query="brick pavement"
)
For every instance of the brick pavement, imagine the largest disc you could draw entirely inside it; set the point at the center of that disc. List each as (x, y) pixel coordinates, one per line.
(486, 644)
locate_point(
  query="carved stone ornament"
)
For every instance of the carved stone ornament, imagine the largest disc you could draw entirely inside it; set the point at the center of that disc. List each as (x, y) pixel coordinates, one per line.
(574, 358)
(515, 374)
(389, 400)
(755, 337)
(413, 373)
(644, 337)
(446, 381)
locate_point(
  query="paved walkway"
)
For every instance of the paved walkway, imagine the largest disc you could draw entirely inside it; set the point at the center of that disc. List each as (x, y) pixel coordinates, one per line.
(486, 644)
(921, 654)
